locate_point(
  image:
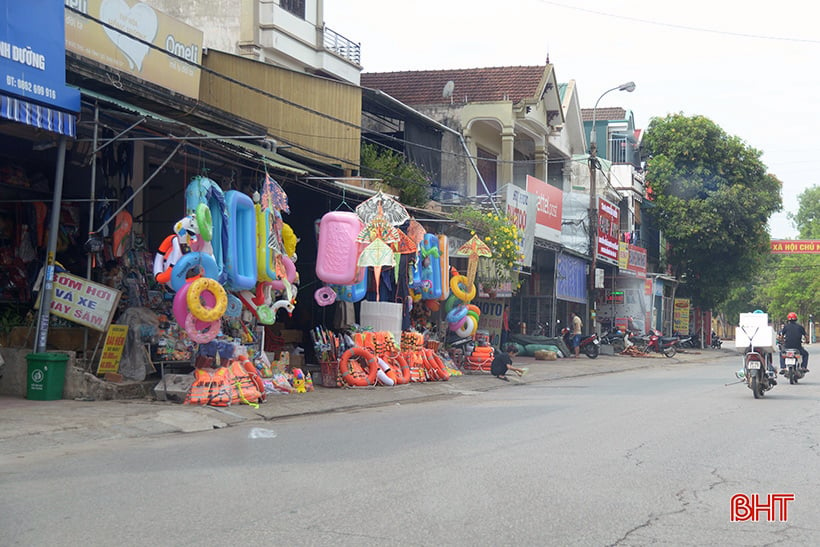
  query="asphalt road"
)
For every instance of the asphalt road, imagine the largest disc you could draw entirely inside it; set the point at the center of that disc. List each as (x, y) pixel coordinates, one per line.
(643, 457)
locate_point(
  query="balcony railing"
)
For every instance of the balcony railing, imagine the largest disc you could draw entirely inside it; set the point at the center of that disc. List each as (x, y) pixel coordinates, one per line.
(341, 46)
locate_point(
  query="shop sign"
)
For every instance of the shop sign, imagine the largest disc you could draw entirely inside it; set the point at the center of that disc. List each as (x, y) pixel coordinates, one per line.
(571, 279)
(549, 205)
(84, 302)
(632, 259)
(492, 311)
(788, 246)
(120, 50)
(32, 53)
(112, 349)
(608, 231)
(521, 209)
(681, 315)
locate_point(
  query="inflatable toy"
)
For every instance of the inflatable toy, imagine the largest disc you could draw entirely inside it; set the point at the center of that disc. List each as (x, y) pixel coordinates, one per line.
(205, 263)
(168, 255)
(198, 336)
(324, 296)
(265, 264)
(290, 274)
(444, 260)
(240, 255)
(459, 286)
(202, 190)
(338, 251)
(428, 262)
(289, 241)
(218, 295)
(354, 292)
(234, 308)
(457, 314)
(467, 328)
(180, 306)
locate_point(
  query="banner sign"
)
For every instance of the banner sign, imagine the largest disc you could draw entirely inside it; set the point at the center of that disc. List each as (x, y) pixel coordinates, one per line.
(608, 231)
(84, 302)
(521, 209)
(121, 51)
(549, 205)
(789, 246)
(112, 349)
(681, 316)
(490, 320)
(32, 53)
(631, 260)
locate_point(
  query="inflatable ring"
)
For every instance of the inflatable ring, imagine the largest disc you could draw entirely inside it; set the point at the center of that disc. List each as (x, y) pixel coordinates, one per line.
(346, 369)
(456, 283)
(455, 325)
(234, 308)
(467, 328)
(457, 314)
(450, 303)
(265, 315)
(181, 310)
(206, 285)
(290, 274)
(201, 337)
(474, 315)
(204, 222)
(325, 296)
(189, 261)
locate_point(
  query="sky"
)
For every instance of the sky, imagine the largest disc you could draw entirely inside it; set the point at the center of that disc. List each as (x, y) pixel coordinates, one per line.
(751, 67)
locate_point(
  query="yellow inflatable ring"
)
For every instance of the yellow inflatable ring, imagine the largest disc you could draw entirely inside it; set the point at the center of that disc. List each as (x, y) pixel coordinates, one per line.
(195, 306)
(456, 284)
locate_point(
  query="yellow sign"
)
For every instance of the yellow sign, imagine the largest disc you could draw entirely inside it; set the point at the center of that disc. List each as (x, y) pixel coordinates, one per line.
(129, 51)
(112, 349)
(681, 316)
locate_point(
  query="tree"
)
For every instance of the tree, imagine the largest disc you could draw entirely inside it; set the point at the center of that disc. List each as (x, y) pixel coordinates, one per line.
(413, 185)
(713, 198)
(795, 287)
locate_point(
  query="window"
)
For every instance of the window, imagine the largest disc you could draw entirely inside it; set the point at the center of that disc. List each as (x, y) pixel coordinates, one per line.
(296, 7)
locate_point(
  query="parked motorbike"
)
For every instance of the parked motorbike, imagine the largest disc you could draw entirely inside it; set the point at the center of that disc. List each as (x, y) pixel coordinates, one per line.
(590, 345)
(655, 341)
(684, 341)
(757, 372)
(716, 341)
(794, 364)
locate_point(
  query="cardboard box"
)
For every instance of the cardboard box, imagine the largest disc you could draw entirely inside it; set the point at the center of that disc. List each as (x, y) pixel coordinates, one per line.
(292, 336)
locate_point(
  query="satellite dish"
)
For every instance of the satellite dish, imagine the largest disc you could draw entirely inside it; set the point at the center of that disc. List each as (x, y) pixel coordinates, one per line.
(448, 89)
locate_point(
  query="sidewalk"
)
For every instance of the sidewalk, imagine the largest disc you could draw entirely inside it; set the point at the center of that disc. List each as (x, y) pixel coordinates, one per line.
(28, 426)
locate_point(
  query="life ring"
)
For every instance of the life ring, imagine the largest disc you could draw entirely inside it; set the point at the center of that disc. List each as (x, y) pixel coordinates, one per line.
(204, 222)
(168, 254)
(325, 296)
(466, 330)
(346, 369)
(455, 325)
(474, 312)
(214, 312)
(451, 303)
(189, 261)
(385, 373)
(435, 365)
(457, 314)
(400, 363)
(201, 337)
(180, 306)
(456, 283)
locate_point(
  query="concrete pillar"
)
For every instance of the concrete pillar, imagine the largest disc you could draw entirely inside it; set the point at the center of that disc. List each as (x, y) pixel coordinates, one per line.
(505, 167)
(541, 159)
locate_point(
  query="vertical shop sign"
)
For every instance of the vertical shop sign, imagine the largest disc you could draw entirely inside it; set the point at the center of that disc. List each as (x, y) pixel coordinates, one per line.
(112, 349)
(492, 311)
(608, 231)
(549, 208)
(681, 315)
(521, 209)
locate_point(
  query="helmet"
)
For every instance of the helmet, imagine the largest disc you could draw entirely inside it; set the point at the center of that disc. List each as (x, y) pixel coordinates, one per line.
(792, 316)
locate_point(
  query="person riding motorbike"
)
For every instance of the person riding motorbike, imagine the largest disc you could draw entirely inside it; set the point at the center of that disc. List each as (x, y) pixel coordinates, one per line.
(792, 335)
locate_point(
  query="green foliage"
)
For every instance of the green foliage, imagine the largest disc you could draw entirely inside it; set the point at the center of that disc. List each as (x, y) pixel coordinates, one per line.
(501, 236)
(713, 199)
(807, 218)
(395, 171)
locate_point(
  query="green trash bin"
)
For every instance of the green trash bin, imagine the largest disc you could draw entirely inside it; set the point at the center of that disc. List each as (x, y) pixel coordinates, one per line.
(46, 376)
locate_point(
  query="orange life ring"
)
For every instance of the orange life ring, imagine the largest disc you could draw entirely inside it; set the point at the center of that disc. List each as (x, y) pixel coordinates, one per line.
(401, 364)
(346, 368)
(441, 370)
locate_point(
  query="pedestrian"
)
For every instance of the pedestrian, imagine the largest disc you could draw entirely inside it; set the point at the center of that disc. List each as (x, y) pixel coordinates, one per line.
(502, 363)
(505, 326)
(577, 328)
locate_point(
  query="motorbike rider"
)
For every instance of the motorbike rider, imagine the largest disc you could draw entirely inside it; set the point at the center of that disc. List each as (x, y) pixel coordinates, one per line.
(792, 335)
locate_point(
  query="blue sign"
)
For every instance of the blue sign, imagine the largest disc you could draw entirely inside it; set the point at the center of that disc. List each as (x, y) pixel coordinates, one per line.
(571, 279)
(32, 53)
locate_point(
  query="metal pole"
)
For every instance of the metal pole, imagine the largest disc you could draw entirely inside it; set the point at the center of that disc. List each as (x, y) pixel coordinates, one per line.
(92, 197)
(48, 280)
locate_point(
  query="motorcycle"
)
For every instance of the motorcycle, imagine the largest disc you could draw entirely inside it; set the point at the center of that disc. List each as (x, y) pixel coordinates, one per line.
(716, 341)
(616, 339)
(590, 345)
(656, 342)
(684, 341)
(794, 364)
(757, 372)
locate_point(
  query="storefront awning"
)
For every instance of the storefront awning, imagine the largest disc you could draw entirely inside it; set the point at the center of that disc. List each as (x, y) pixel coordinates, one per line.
(235, 145)
(39, 116)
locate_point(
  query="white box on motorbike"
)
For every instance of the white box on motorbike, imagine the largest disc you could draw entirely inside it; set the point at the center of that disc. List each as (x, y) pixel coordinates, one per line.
(762, 337)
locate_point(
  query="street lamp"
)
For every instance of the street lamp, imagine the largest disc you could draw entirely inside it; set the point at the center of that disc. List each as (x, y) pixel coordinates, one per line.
(593, 192)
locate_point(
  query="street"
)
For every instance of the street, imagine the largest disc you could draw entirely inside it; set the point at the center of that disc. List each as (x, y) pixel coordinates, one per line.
(650, 456)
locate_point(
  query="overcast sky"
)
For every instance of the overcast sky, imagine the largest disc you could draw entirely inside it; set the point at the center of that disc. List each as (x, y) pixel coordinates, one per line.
(751, 67)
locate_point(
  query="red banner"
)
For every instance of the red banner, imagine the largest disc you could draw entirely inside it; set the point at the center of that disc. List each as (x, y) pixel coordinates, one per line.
(795, 246)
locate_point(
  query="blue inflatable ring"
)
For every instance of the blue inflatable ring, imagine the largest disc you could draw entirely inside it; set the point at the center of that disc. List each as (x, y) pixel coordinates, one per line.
(457, 314)
(189, 261)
